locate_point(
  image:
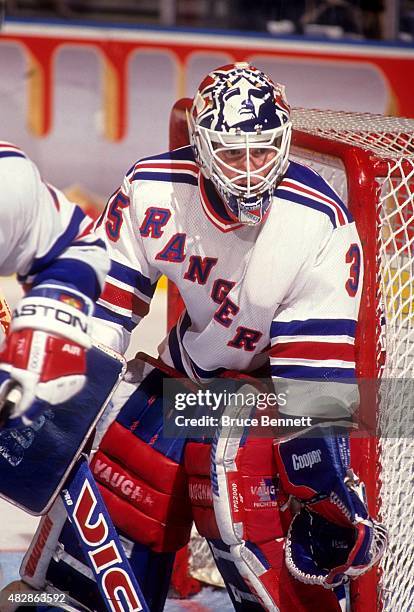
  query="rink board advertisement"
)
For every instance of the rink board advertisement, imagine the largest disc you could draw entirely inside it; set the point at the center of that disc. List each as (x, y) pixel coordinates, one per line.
(86, 102)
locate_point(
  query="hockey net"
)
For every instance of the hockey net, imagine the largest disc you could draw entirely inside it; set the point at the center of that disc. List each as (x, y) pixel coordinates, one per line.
(369, 160)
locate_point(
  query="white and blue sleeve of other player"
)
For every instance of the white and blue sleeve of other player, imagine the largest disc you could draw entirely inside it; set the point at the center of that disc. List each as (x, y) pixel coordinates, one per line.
(131, 281)
(43, 236)
(313, 334)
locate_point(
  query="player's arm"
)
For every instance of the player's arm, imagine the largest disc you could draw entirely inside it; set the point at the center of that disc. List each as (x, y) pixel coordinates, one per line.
(47, 241)
(131, 281)
(313, 334)
(313, 361)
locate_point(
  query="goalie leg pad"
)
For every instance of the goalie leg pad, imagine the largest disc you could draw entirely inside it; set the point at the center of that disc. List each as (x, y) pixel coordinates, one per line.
(68, 571)
(45, 542)
(142, 480)
(239, 512)
(56, 558)
(141, 475)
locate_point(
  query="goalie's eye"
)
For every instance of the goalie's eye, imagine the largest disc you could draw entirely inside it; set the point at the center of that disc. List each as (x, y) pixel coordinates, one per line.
(257, 153)
(231, 155)
(260, 155)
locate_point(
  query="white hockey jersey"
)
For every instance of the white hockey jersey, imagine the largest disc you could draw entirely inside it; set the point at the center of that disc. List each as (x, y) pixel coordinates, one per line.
(42, 234)
(287, 289)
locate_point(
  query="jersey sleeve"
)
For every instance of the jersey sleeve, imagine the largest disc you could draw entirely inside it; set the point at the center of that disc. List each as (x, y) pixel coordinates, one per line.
(312, 353)
(131, 281)
(44, 236)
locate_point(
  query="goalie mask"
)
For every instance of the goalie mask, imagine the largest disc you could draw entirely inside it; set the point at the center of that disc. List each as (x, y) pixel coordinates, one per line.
(240, 128)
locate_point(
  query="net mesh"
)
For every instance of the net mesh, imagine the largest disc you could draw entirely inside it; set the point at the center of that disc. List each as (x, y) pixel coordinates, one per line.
(201, 562)
(390, 137)
(391, 141)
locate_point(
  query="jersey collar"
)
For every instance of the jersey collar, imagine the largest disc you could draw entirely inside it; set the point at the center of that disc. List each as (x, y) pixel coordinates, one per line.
(214, 207)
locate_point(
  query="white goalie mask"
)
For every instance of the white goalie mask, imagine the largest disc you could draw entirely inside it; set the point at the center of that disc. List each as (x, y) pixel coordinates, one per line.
(240, 129)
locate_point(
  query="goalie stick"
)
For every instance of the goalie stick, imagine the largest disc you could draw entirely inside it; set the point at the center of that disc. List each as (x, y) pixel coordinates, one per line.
(101, 546)
(100, 542)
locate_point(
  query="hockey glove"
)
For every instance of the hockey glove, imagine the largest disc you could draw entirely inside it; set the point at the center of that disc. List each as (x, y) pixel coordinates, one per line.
(333, 538)
(44, 354)
(320, 552)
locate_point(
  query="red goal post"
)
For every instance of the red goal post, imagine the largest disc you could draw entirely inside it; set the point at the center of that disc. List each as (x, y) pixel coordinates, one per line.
(369, 160)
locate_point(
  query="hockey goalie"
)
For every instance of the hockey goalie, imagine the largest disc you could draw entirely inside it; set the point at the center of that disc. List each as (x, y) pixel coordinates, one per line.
(269, 265)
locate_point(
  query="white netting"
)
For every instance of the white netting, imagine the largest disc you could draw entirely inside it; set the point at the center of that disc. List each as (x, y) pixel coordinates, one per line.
(201, 562)
(390, 137)
(396, 212)
(391, 140)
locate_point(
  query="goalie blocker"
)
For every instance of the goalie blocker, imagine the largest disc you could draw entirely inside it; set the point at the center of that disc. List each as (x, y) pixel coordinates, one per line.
(237, 489)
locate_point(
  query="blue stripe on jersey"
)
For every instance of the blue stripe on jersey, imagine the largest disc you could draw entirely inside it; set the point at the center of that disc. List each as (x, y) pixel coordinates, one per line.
(310, 178)
(81, 275)
(181, 154)
(132, 277)
(207, 373)
(314, 327)
(298, 199)
(12, 154)
(53, 193)
(176, 177)
(62, 243)
(81, 243)
(184, 325)
(114, 317)
(308, 373)
(175, 353)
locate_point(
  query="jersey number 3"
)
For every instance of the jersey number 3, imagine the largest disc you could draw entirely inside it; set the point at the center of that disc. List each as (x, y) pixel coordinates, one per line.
(353, 257)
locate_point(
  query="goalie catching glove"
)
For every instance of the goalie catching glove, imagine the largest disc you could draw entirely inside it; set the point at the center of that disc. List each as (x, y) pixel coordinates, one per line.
(320, 552)
(44, 356)
(332, 538)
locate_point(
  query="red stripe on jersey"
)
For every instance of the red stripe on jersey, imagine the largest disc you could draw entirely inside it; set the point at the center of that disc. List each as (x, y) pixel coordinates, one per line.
(125, 299)
(86, 231)
(300, 188)
(54, 196)
(314, 350)
(169, 166)
(7, 145)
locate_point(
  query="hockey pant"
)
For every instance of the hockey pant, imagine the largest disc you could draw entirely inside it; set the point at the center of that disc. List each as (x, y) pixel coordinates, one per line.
(154, 487)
